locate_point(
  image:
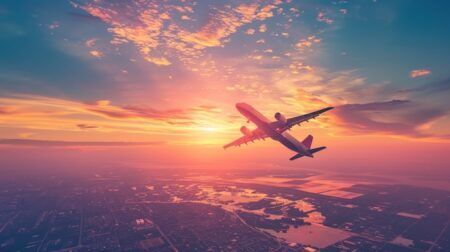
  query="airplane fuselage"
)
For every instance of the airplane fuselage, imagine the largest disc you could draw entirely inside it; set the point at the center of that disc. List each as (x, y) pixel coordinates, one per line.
(264, 124)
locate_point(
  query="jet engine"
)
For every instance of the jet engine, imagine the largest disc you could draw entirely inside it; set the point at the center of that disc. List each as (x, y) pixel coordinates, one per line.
(246, 131)
(280, 118)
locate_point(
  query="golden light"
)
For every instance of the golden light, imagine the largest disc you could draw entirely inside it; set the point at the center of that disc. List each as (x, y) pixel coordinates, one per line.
(209, 129)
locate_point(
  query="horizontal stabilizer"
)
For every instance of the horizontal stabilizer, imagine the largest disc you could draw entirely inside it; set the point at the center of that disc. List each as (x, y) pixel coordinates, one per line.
(296, 156)
(312, 151)
(317, 149)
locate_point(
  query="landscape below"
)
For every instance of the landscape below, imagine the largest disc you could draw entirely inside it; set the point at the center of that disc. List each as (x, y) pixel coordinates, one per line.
(127, 209)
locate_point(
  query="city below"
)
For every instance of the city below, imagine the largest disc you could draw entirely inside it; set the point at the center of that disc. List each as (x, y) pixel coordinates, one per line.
(127, 209)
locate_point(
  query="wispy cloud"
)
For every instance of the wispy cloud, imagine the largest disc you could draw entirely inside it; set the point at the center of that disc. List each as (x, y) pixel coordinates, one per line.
(6, 110)
(396, 117)
(65, 118)
(86, 126)
(419, 73)
(51, 143)
(54, 25)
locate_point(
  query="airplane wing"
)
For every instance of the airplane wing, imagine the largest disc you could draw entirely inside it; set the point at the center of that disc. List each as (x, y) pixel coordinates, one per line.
(257, 134)
(299, 119)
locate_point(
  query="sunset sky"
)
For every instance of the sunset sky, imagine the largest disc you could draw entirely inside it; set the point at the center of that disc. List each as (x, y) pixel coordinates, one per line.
(155, 82)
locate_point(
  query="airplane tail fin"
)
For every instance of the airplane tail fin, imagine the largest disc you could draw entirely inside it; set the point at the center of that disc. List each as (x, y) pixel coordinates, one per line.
(312, 151)
(308, 141)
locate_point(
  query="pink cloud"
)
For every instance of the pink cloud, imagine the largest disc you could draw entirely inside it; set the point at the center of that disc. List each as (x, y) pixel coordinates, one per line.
(321, 17)
(90, 42)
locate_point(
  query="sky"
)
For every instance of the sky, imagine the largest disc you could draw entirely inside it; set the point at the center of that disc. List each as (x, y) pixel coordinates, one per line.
(154, 83)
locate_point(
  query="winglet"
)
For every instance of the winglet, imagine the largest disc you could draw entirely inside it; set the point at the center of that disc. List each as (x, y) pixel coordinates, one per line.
(325, 109)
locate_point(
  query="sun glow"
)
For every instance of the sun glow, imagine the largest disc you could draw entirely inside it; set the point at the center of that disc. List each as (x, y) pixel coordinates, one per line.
(209, 129)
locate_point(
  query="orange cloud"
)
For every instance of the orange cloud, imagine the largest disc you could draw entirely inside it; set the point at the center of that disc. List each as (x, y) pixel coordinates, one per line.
(250, 31)
(6, 110)
(419, 73)
(303, 44)
(266, 12)
(102, 102)
(185, 17)
(158, 61)
(263, 28)
(222, 24)
(40, 115)
(149, 26)
(96, 53)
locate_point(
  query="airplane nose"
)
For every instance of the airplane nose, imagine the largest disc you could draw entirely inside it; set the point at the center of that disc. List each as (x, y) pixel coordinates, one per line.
(240, 106)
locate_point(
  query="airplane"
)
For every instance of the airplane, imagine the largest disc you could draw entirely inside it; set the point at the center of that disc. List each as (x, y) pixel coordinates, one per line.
(276, 130)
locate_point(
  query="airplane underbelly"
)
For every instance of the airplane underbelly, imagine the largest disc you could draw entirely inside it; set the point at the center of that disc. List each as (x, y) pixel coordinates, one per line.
(287, 143)
(292, 143)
